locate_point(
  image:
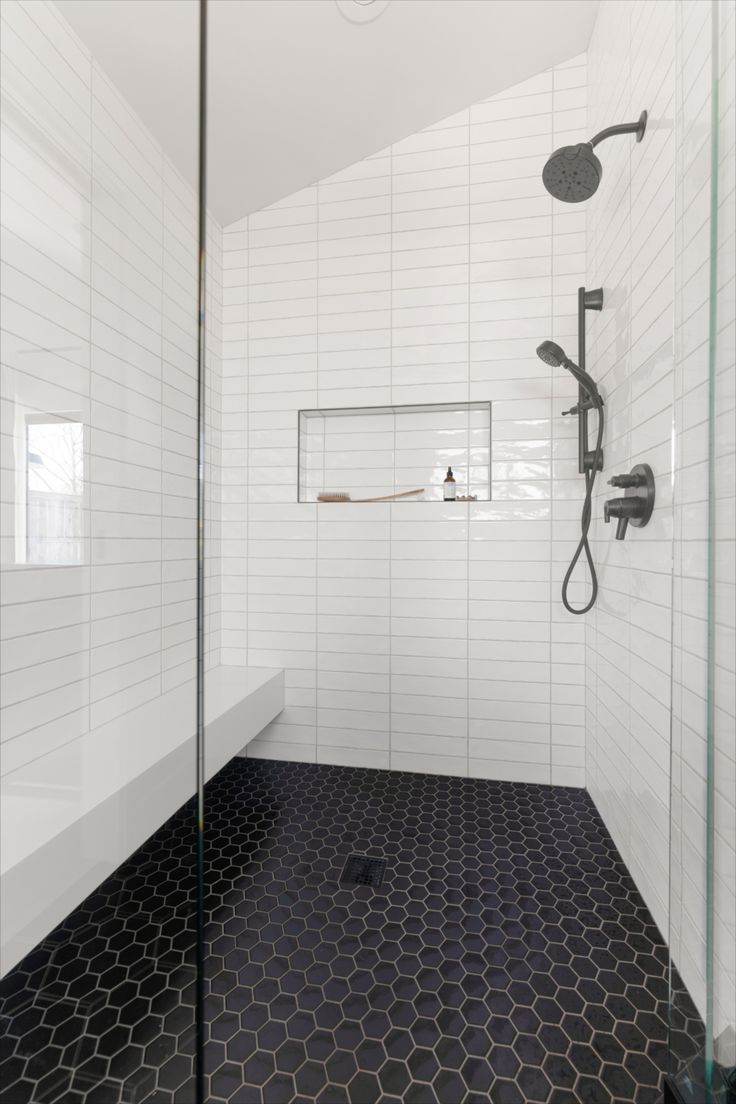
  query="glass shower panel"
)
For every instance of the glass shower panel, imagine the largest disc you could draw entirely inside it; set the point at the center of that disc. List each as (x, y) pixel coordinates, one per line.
(99, 434)
(702, 1039)
(722, 559)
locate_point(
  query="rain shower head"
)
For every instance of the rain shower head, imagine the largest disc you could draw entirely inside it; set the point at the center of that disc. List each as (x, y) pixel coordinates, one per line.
(573, 173)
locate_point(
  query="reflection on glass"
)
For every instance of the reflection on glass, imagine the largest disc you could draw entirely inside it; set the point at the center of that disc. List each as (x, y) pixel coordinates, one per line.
(54, 488)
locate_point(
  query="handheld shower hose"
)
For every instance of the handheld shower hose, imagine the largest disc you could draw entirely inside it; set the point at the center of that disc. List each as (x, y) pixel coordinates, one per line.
(553, 355)
(587, 511)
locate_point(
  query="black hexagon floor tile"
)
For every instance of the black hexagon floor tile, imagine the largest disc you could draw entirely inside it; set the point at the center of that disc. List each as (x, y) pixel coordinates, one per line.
(506, 955)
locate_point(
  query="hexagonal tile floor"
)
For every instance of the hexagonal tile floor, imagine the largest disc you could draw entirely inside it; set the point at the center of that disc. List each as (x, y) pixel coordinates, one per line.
(505, 957)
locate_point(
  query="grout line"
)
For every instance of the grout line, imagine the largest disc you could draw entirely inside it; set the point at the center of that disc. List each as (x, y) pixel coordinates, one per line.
(468, 507)
(315, 508)
(552, 436)
(393, 460)
(246, 444)
(161, 414)
(89, 452)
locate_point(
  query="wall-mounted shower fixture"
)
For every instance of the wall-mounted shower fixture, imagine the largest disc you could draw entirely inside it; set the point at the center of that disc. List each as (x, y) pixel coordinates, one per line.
(552, 354)
(590, 461)
(573, 173)
(637, 504)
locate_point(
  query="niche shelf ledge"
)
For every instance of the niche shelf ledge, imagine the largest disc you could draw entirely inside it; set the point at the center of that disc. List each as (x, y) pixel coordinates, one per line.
(372, 451)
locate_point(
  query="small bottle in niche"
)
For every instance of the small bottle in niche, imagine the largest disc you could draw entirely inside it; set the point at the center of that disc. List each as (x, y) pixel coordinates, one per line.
(449, 487)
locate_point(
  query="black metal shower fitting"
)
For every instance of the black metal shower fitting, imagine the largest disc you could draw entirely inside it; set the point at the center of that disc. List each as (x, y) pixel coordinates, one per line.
(587, 300)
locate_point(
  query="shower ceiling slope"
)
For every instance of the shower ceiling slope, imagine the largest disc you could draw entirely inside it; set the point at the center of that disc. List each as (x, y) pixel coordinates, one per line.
(297, 92)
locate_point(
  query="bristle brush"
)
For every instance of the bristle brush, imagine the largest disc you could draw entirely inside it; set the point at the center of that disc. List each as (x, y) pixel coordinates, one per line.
(342, 496)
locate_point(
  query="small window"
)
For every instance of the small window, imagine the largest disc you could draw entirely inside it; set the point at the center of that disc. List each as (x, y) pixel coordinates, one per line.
(54, 489)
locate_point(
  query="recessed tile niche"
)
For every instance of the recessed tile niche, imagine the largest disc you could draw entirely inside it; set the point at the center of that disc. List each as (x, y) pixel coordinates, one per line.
(371, 451)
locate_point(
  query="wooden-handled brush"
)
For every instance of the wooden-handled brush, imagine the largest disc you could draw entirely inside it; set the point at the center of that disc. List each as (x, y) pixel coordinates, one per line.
(343, 496)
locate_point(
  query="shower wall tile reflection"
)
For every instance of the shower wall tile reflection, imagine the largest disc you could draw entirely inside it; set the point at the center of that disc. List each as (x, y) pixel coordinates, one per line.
(647, 640)
(99, 430)
(419, 635)
(630, 251)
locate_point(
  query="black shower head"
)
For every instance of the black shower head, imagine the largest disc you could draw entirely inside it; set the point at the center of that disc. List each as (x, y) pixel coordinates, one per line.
(573, 173)
(551, 354)
(554, 355)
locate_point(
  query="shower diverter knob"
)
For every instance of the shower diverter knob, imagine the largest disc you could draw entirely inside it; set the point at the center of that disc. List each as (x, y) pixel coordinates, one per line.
(637, 504)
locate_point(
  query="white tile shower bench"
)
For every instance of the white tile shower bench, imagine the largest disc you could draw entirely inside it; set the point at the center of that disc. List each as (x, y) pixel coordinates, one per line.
(71, 817)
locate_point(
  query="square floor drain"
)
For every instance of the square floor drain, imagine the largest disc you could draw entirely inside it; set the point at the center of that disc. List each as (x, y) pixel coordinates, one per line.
(363, 870)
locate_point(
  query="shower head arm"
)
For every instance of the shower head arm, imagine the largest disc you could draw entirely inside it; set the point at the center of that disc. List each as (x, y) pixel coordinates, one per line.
(636, 128)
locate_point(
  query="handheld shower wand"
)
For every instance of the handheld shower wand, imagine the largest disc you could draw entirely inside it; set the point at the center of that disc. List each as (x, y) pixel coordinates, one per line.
(555, 356)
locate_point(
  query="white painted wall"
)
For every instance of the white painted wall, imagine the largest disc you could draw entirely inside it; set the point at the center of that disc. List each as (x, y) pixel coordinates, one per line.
(99, 319)
(417, 636)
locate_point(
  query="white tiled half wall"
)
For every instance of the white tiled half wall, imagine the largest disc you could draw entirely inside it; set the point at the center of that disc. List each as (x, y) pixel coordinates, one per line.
(99, 323)
(415, 635)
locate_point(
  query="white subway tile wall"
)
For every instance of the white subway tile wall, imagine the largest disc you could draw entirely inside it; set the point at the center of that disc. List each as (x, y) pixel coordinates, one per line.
(421, 635)
(694, 347)
(99, 319)
(396, 450)
(418, 635)
(724, 562)
(648, 245)
(630, 253)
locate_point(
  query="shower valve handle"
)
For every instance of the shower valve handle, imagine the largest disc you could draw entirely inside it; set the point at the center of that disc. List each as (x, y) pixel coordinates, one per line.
(625, 509)
(630, 480)
(637, 504)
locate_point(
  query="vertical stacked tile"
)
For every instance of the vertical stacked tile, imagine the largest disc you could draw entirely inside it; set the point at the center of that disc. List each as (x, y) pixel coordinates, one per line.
(724, 649)
(353, 549)
(567, 631)
(630, 248)
(511, 311)
(423, 296)
(282, 367)
(647, 643)
(213, 445)
(46, 222)
(234, 448)
(652, 190)
(609, 341)
(179, 431)
(703, 664)
(100, 323)
(429, 561)
(429, 637)
(126, 408)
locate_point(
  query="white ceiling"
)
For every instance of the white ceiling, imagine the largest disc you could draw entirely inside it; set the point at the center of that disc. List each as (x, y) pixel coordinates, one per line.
(297, 92)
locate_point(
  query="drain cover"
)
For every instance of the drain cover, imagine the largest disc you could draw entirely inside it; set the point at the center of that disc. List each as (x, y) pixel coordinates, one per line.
(363, 870)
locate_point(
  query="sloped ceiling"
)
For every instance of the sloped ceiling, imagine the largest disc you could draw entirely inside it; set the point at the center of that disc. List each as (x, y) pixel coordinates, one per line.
(297, 91)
